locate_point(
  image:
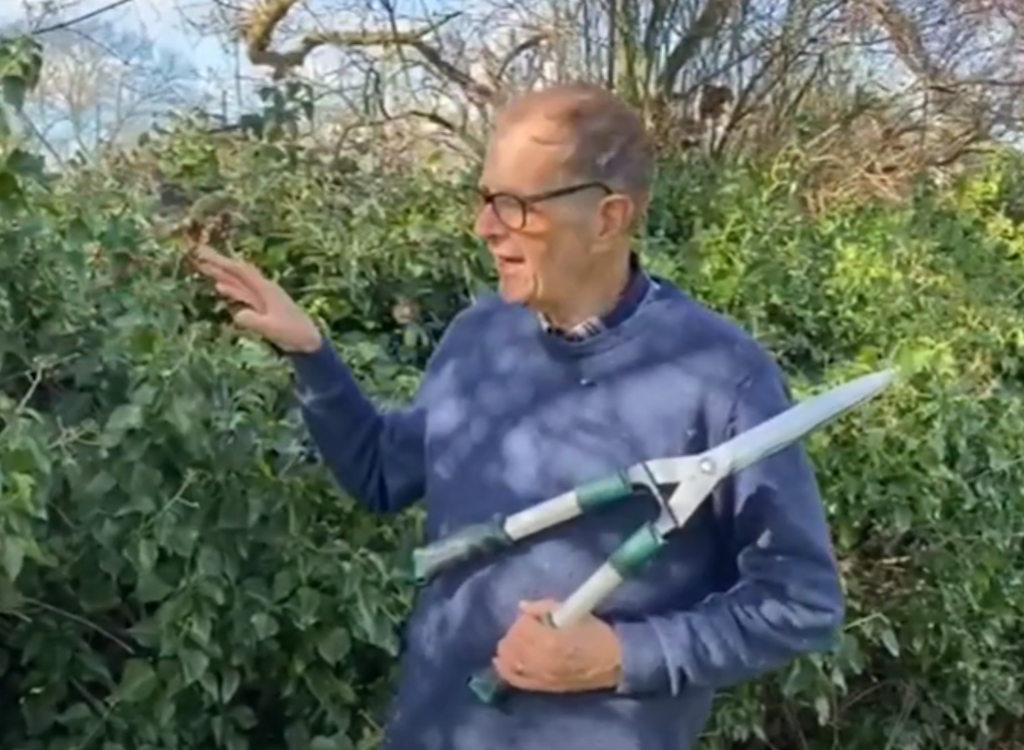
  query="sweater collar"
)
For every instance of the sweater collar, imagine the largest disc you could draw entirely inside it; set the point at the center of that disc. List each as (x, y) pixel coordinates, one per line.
(637, 288)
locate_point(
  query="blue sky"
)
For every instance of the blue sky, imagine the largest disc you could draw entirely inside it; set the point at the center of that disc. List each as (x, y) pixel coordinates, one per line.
(159, 20)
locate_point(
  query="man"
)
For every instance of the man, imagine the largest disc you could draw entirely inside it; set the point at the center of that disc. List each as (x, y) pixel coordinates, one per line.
(581, 365)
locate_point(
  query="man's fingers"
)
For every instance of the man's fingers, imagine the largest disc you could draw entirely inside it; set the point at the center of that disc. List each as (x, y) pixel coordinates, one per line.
(507, 672)
(234, 291)
(517, 676)
(206, 254)
(524, 680)
(232, 285)
(511, 650)
(538, 608)
(533, 630)
(219, 265)
(217, 273)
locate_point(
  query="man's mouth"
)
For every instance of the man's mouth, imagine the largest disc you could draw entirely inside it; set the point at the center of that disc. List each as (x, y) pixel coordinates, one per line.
(509, 261)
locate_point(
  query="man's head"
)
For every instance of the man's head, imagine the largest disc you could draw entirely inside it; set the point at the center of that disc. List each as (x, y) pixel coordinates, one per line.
(568, 173)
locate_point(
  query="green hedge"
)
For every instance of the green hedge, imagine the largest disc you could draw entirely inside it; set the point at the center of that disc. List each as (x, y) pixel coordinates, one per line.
(176, 571)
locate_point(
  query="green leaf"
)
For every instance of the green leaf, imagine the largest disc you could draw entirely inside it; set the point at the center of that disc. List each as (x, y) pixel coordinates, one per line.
(308, 605)
(25, 164)
(151, 587)
(76, 713)
(14, 88)
(890, 642)
(98, 593)
(137, 682)
(148, 553)
(101, 483)
(823, 709)
(264, 625)
(297, 736)
(13, 556)
(209, 561)
(244, 717)
(333, 645)
(124, 418)
(229, 684)
(9, 187)
(208, 681)
(193, 665)
(285, 581)
(201, 628)
(10, 597)
(165, 711)
(147, 632)
(236, 741)
(338, 741)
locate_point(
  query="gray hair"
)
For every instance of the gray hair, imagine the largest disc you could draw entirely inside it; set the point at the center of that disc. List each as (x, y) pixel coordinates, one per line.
(607, 139)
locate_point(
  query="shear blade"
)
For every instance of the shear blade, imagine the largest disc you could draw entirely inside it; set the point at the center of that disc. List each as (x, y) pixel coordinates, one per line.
(796, 422)
(697, 475)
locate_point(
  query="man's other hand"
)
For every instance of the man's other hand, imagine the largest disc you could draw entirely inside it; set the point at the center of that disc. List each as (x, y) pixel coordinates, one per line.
(264, 307)
(535, 656)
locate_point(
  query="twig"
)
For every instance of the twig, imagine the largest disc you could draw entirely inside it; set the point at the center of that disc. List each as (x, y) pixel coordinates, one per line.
(83, 17)
(81, 621)
(36, 380)
(794, 725)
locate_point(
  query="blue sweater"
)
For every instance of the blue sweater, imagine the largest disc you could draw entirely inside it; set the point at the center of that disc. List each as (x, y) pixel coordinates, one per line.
(507, 416)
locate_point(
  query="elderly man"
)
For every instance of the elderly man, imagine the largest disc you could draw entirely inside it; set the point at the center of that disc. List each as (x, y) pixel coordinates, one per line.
(584, 363)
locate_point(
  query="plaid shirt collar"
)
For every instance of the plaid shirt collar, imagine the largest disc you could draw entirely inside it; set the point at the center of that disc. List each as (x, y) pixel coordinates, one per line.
(636, 291)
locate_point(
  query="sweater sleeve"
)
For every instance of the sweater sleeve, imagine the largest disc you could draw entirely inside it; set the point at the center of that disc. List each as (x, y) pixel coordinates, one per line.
(787, 599)
(376, 456)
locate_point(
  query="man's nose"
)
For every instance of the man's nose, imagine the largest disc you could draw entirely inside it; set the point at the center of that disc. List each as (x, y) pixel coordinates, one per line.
(487, 223)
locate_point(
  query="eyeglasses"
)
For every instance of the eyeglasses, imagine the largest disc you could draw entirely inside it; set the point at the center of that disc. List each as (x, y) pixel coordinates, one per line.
(511, 209)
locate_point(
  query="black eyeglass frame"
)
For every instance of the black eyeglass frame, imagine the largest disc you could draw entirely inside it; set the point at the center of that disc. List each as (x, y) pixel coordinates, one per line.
(524, 202)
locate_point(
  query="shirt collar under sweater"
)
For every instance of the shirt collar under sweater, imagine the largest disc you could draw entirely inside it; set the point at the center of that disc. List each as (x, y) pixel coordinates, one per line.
(635, 294)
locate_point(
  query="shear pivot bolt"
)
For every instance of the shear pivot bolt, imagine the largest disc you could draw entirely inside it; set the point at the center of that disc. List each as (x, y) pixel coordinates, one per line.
(707, 466)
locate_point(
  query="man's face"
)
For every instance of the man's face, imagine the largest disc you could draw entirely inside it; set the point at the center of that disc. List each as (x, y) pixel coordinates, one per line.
(541, 252)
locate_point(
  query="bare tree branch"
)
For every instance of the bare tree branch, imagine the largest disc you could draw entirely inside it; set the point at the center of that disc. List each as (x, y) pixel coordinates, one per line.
(530, 43)
(706, 25)
(83, 17)
(264, 19)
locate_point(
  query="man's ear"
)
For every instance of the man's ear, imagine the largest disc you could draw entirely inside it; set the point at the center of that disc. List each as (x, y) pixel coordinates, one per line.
(615, 217)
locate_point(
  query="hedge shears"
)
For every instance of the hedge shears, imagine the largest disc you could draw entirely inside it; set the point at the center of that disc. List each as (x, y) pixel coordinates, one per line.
(693, 476)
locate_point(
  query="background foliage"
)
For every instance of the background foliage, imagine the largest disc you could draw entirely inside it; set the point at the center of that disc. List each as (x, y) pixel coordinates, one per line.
(177, 571)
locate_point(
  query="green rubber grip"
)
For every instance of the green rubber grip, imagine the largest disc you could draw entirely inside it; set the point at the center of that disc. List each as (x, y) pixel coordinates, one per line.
(462, 545)
(604, 490)
(639, 549)
(488, 685)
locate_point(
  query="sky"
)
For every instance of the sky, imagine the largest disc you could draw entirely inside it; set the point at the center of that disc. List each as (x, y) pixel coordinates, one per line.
(175, 46)
(215, 62)
(160, 20)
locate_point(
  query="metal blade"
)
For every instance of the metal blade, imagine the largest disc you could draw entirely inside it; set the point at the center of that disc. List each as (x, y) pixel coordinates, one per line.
(786, 428)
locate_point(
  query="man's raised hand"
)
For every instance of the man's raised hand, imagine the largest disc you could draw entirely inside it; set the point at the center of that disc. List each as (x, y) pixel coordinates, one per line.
(265, 309)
